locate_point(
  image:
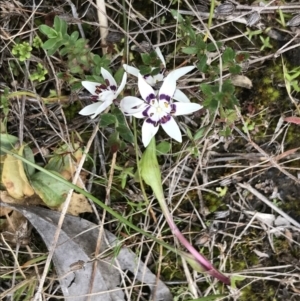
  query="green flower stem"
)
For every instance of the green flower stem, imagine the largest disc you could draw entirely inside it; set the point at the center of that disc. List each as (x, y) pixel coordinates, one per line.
(150, 173)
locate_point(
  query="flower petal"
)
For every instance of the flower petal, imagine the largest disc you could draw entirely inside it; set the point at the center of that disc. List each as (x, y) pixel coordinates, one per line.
(186, 108)
(148, 132)
(169, 85)
(180, 96)
(146, 90)
(101, 108)
(172, 129)
(108, 76)
(131, 70)
(122, 84)
(176, 74)
(133, 106)
(167, 89)
(90, 109)
(160, 56)
(130, 102)
(107, 95)
(90, 86)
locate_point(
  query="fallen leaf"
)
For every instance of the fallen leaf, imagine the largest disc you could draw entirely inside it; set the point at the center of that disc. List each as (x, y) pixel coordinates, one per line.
(76, 243)
(79, 204)
(14, 228)
(14, 178)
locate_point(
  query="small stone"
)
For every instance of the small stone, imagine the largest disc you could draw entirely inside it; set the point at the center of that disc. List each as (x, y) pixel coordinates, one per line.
(225, 9)
(253, 18)
(295, 21)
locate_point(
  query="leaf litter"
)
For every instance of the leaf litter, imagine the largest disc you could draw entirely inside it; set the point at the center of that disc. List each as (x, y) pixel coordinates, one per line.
(75, 249)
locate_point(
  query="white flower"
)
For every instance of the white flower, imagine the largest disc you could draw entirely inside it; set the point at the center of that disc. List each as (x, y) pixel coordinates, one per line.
(105, 94)
(153, 80)
(158, 110)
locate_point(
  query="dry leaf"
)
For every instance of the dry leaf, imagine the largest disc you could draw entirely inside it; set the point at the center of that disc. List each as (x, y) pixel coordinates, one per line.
(241, 81)
(14, 178)
(76, 242)
(79, 204)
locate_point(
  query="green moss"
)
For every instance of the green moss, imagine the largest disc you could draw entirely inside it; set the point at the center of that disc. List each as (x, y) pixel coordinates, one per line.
(258, 291)
(213, 202)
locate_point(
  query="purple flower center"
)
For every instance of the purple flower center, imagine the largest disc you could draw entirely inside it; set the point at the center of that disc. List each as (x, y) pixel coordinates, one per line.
(165, 97)
(150, 97)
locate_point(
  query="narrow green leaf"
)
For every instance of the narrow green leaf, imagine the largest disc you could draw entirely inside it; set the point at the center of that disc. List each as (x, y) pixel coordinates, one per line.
(63, 27)
(200, 133)
(119, 75)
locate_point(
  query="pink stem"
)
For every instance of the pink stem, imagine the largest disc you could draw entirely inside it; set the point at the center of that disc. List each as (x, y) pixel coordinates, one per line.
(204, 262)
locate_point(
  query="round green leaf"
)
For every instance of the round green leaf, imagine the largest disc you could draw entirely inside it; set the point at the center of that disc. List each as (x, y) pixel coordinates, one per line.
(52, 192)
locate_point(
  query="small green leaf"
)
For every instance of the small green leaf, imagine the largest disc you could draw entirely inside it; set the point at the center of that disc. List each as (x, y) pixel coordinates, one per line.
(60, 25)
(201, 65)
(63, 27)
(228, 87)
(74, 36)
(190, 50)
(75, 69)
(206, 89)
(235, 69)
(228, 55)
(125, 133)
(155, 71)
(119, 115)
(146, 58)
(145, 70)
(52, 44)
(64, 51)
(48, 31)
(200, 133)
(201, 45)
(119, 75)
(107, 119)
(211, 47)
(177, 16)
